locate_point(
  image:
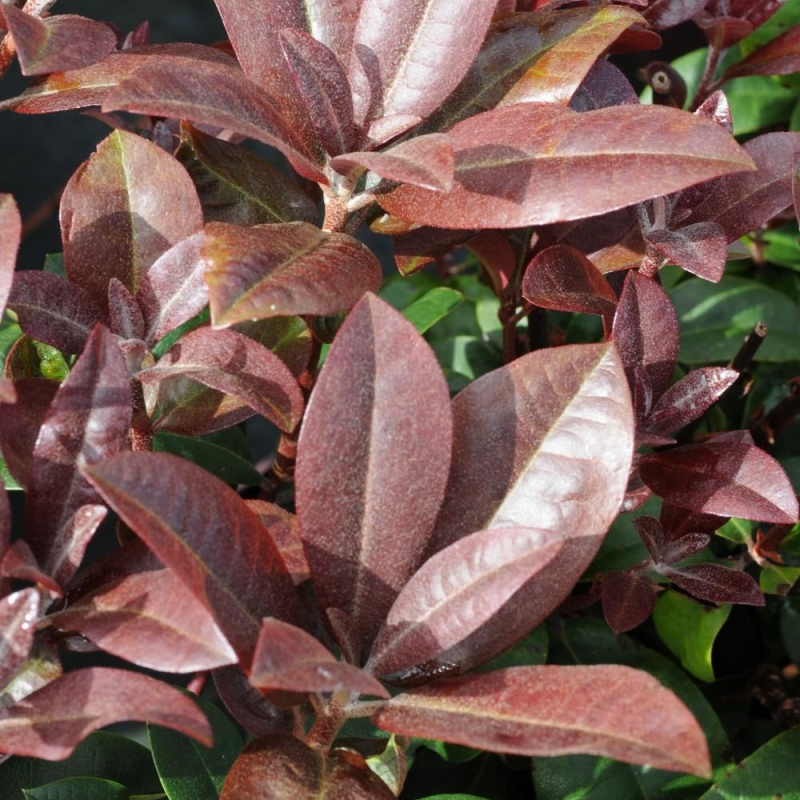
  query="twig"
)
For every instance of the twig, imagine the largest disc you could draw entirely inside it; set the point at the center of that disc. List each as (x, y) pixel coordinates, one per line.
(741, 361)
(773, 424)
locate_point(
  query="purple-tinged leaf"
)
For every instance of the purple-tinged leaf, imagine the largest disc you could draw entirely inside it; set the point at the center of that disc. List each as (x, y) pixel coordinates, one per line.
(425, 161)
(651, 534)
(70, 545)
(717, 584)
(551, 711)
(561, 425)
(291, 659)
(53, 310)
(52, 721)
(372, 463)
(288, 337)
(386, 128)
(324, 88)
(124, 315)
(8, 394)
(663, 14)
(150, 619)
(723, 32)
(408, 57)
(677, 522)
(284, 530)
(497, 256)
(455, 592)
(684, 547)
(236, 365)
(647, 335)
(128, 204)
(87, 421)
(725, 478)
(283, 270)
(254, 712)
(604, 85)
(689, 398)
(10, 235)
(20, 563)
(208, 537)
(531, 164)
(628, 599)
(57, 43)
(781, 56)
(701, 249)
(756, 12)
(420, 246)
(18, 615)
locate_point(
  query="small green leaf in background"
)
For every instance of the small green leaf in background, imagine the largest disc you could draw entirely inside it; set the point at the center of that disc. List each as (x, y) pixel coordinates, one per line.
(189, 771)
(451, 753)
(390, 765)
(79, 789)
(6, 479)
(759, 101)
(782, 246)
(424, 312)
(54, 263)
(9, 333)
(689, 629)
(167, 341)
(778, 579)
(584, 778)
(736, 530)
(454, 797)
(531, 651)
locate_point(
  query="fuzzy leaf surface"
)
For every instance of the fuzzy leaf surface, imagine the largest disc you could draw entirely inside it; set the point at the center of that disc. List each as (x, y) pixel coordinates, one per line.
(701, 249)
(781, 56)
(717, 584)
(10, 235)
(285, 532)
(18, 615)
(628, 599)
(663, 14)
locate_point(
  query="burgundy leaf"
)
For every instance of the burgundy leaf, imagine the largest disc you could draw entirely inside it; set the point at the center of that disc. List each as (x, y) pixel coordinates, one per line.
(124, 315)
(717, 107)
(425, 161)
(52, 721)
(604, 85)
(678, 522)
(561, 425)
(497, 257)
(652, 534)
(551, 711)
(150, 619)
(53, 310)
(701, 249)
(689, 398)
(372, 463)
(284, 530)
(386, 128)
(280, 270)
(208, 537)
(663, 14)
(8, 394)
(287, 337)
(408, 57)
(628, 599)
(291, 659)
(58, 43)
(18, 615)
(323, 85)
(682, 548)
(128, 204)
(781, 56)
(87, 421)
(420, 246)
(717, 584)
(455, 592)
(725, 478)
(531, 164)
(10, 235)
(756, 12)
(20, 563)
(233, 363)
(247, 705)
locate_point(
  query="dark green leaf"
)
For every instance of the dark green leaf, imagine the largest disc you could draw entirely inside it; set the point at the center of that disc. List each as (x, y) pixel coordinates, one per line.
(426, 311)
(82, 788)
(584, 777)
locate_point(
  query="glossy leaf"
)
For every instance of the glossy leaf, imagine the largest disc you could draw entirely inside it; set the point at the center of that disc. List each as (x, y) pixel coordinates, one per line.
(83, 787)
(433, 306)
(20, 563)
(717, 584)
(211, 540)
(10, 235)
(50, 722)
(233, 363)
(544, 711)
(701, 249)
(532, 164)
(18, 615)
(284, 530)
(455, 592)
(372, 463)
(730, 479)
(628, 599)
(57, 43)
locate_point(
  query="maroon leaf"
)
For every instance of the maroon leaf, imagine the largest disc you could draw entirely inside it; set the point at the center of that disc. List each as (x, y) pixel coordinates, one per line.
(497, 256)
(285, 532)
(58, 43)
(208, 537)
(663, 14)
(678, 522)
(52, 721)
(756, 12)
(420, 246)
(628, 599)
(550, 711)
(716, 107)
(682, 548)
(54, 310)
(20, 563)
(562, 431)
(717, 584)
(531, 164)
(291, 659)
(386, 128)
(124, 315)
(10, 235)
(372, 463)
(701, 249)
(247, 705)
(150, 619)
(455, 592)
(233, 363)
(725, 478)
(652, 534)
(281, 270)
(18, 615)
(781, 56)
(604, 85)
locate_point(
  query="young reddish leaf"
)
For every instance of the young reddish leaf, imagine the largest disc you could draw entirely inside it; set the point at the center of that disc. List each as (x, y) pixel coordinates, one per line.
(415, 248)
(663, 14)
(66, 552)
(689, 398)
(628, 599)
(372, 463)
(128, 204)
(717, 584)
(561, 425)
(291, 659)
(323, 86)
(756, 12)
(552, 711)
(604, 85)
(425, 161)
(20, 563)
(281, 270)
(58, 43)
(88, 420)
(150, 619)
(53, 310)
(386, 128)
(18, 615)
(209, 538)
(10, 235)
(236, 365)
(52, 721)
(726, 478)
(280, 767)
(455, 592)
(531, 164)
(408, 57)
(124, 315)
(781, 56)
(254, 712)
(684, 547)
(497, 257)
(282, 526)
(701, 249)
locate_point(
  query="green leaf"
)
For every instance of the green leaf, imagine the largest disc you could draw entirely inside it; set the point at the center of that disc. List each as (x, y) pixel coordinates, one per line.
(759, 101)
(400, 292)
(9, 333)
(390, 765)
(453, 797)
(784, 18)
(469, 356)
(6, 479)
(79, 789)
(426, 311)
(54, 263)
(778, 579)
(736, 530)
(584, 778)
(167, 341)
(688, 629)
(189, 771)
(451, 753)
(783, 246)
(623, 547)
(527, 652)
